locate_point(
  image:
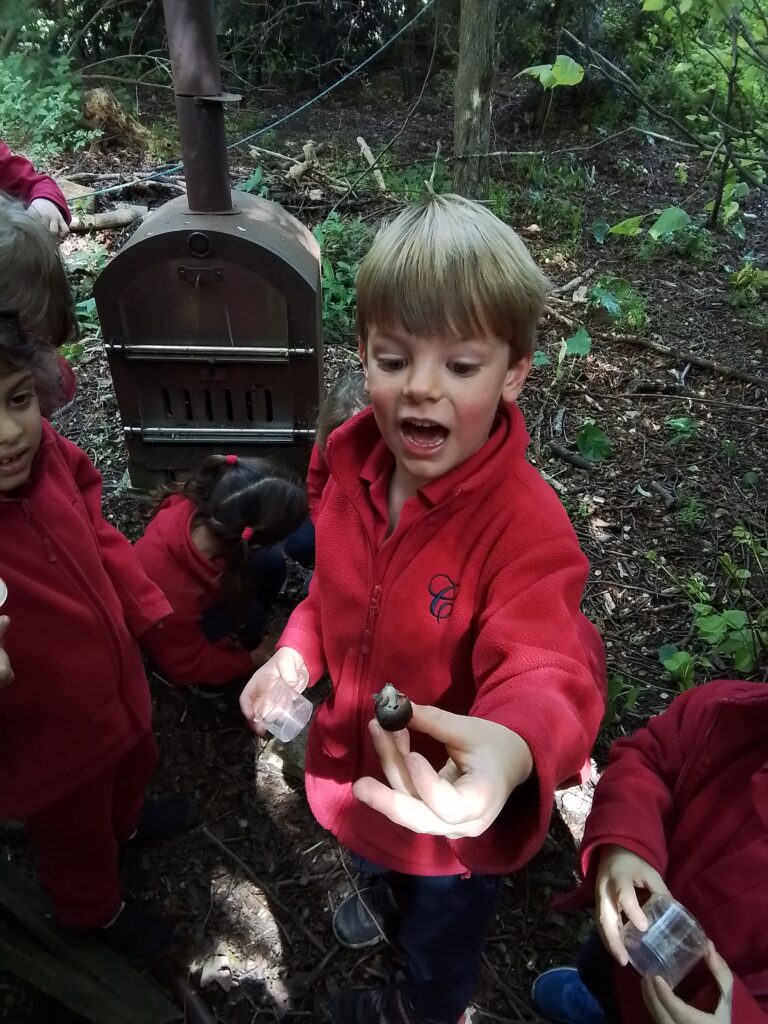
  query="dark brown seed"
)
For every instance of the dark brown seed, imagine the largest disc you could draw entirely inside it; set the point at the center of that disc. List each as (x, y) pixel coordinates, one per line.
(393, 709)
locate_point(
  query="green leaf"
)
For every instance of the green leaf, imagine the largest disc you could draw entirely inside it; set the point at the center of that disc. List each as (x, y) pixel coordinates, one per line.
(541, 358)
(602, 297)
(566, 70)
(654, 5)
(593, 442)
(685, 6)
(630, 226)
(750, 479)
(670, 220)
(600, 229)
(544, 74)
(579, 344)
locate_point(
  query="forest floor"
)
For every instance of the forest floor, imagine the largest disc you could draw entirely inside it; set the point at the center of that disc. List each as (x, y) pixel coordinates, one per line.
(255, 884)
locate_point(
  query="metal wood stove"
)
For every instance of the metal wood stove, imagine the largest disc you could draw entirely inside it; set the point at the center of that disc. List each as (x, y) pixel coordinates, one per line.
(211, 311)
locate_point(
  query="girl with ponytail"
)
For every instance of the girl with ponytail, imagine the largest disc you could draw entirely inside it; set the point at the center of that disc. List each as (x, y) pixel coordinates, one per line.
(211, 548)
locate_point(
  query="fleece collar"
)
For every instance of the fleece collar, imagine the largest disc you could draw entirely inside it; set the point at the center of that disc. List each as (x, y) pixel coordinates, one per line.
(357, 456)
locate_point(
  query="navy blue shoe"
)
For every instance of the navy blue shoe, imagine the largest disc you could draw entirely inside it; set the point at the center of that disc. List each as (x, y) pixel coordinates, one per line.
(560, 995)
(163, 817)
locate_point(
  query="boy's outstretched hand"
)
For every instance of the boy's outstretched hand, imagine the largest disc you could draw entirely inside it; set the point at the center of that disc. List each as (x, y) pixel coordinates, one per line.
(285, 664)
(619, 874)
(667, 1008)
(486, 762)
(6, 672)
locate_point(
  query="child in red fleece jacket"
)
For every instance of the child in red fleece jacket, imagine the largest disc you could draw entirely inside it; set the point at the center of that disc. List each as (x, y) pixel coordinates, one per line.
(39, 193)
(76, 744)
(212, 549)
(681, 808)
(34, 284)
(447, 567)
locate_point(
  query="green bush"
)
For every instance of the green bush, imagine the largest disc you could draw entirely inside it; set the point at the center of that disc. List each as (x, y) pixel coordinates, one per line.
(40, 106)
(343, 243)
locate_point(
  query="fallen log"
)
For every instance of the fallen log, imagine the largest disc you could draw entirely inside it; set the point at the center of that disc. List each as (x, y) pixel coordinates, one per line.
(121, 217)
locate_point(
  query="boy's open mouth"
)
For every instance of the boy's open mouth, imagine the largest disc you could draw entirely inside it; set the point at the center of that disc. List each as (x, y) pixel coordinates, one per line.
(424, 433)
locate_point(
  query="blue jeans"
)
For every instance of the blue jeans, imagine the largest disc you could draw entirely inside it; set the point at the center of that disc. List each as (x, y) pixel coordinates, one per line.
(595, 966)
(442, 922)
(267, 572)
(300, 544)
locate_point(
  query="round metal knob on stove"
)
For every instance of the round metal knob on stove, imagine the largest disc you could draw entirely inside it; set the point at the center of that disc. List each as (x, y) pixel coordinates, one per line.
(199, 244)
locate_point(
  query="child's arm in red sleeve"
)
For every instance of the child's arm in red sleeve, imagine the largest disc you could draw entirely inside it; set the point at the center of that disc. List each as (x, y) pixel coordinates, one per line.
(143, 602)
(20, 179)
(317, 478)
(539, 670)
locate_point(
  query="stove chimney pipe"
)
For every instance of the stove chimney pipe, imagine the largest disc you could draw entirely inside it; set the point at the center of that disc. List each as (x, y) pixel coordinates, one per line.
(191, 31)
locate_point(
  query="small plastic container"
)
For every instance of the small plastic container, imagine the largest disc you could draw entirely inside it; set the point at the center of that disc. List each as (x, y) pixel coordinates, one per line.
(673, 943)
(283, 711)
(3, 592)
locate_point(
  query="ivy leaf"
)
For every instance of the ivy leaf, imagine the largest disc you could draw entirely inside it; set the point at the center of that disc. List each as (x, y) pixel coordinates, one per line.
(593, 442)
(630, 226)
(541, 358)
(670, 220)
(579, 344)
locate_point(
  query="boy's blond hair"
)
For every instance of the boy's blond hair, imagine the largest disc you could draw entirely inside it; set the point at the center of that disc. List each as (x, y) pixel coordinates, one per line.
(33, 281)
(447, 265)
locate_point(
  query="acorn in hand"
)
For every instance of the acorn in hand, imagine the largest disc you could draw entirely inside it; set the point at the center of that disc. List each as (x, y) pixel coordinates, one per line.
(393, 709)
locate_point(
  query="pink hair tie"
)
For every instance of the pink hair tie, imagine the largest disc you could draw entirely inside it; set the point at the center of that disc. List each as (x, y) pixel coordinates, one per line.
(231, 460)
(247, 533)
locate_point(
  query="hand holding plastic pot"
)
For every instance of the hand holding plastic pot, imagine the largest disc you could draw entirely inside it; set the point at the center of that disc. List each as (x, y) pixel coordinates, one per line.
(272, 700)
(672, 944)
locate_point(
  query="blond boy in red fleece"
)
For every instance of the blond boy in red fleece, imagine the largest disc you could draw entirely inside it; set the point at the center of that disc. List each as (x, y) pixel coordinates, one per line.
(446, 566)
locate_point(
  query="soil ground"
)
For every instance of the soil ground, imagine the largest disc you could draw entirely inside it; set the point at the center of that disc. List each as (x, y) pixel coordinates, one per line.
(255, 884)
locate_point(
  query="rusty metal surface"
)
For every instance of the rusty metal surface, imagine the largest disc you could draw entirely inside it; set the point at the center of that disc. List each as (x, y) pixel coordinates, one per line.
(191, 30)
(204, 153)
(212, 331)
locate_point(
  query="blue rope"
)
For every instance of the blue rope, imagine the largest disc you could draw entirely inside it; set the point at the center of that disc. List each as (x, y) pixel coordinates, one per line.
(153, 175)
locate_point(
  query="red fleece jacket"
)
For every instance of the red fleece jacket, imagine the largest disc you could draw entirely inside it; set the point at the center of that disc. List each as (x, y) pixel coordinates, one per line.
(317, 478)
(192, 583)
(76, 596)
(20, 179)
(689, 794)
(472, 604)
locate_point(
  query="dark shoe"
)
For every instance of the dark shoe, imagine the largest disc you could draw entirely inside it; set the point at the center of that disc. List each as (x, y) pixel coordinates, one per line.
(373, 1006)
(138, 935)
(362, 918)
(560, 995)
(164, 817)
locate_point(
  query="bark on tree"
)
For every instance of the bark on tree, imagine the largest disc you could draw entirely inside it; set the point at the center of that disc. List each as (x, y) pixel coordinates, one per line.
(472, 96)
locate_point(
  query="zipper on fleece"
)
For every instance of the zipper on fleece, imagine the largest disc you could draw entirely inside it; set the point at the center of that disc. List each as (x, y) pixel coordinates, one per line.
(373, 609)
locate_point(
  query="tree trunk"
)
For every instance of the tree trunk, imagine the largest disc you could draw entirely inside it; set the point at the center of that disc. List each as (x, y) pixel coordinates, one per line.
(472, 96)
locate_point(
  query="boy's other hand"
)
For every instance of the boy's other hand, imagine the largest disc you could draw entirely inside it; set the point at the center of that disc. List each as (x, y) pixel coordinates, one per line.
(6, 672)
(286, 665)
(667, 1008)
(619, 874)
(50, 215)
(486, 762)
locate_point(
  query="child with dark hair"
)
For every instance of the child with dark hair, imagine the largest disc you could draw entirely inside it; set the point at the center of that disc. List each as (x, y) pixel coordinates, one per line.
(212, 547)
(33, 282)
(76, 744)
